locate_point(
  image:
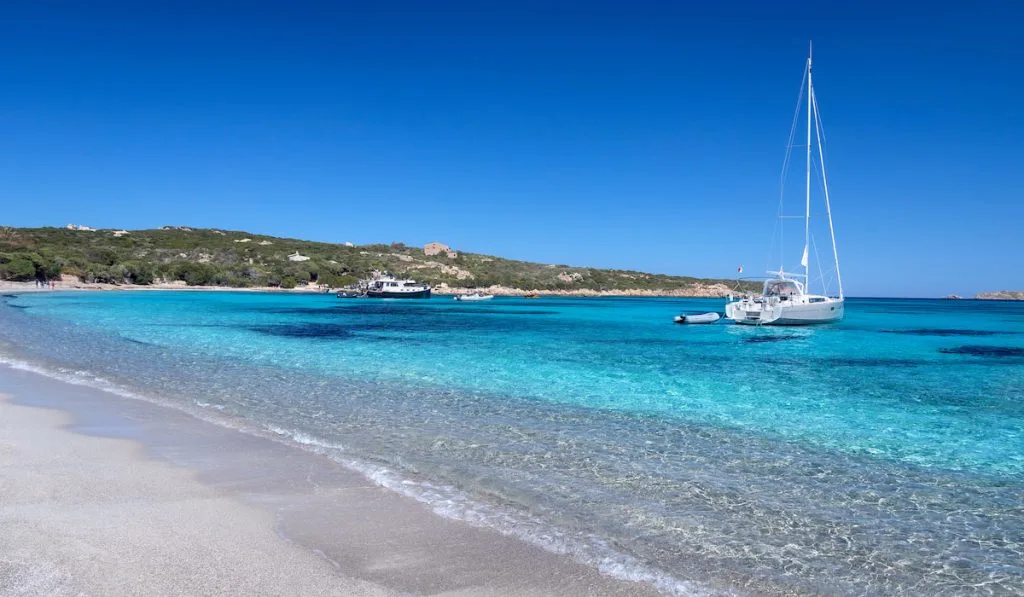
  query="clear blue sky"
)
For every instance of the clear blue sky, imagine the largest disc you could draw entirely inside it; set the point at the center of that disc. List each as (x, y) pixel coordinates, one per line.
(644, 135)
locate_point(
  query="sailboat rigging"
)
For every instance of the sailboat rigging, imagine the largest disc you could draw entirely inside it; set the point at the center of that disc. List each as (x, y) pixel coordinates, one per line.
(786, 298)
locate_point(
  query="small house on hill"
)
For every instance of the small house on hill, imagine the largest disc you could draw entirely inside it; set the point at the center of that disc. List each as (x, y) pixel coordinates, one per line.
(436, 248)
(296, 257)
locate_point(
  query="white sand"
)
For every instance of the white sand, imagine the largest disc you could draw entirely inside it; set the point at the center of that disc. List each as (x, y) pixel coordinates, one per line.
(94, 516)
(197, 509)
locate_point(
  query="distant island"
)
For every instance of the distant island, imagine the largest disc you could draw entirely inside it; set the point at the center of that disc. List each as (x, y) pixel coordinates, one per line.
(1002, 295)
(177, 256)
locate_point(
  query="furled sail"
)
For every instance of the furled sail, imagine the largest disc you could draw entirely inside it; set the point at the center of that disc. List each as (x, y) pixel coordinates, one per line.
(803, 260)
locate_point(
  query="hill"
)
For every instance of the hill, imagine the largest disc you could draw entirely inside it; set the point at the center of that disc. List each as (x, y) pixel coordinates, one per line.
(210, 257)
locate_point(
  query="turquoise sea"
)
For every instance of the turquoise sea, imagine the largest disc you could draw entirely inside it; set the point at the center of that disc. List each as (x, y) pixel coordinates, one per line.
(882, 455)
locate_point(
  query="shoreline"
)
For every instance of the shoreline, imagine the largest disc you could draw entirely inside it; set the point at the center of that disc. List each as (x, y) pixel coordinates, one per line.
(26, 287)
(714, 291)
(201, 488)
(8, 287)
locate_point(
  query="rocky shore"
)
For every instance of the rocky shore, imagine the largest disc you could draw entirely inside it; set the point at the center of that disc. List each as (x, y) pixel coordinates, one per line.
(695, 291)
(1002, 295)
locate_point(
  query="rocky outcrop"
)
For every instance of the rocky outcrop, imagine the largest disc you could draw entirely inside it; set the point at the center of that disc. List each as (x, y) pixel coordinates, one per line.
(1002, 295)
(695, 291)
(448, 270)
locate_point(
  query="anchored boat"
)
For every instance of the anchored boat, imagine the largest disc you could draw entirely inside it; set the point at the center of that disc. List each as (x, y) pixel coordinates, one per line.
(786, 298)
(387, 286)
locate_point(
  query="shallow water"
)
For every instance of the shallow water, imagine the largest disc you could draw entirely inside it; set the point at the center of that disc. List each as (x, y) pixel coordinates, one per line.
(882, 455)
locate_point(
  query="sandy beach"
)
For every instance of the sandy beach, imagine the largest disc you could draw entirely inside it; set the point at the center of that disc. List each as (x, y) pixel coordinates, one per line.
(85, 515)
(75, 285)
(104, 495)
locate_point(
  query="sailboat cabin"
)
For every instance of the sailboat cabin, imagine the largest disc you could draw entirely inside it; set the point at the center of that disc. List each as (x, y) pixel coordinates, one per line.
(783, 288)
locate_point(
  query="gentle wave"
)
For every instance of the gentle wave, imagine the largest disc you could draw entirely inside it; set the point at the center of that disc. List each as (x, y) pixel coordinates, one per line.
(453, 504)
(444, 501)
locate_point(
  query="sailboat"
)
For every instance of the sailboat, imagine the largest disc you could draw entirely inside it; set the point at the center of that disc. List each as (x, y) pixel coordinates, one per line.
(786, 298)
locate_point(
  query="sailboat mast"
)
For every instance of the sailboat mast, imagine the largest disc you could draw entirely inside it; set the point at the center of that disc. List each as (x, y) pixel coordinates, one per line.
(804, 261)
(824, 184)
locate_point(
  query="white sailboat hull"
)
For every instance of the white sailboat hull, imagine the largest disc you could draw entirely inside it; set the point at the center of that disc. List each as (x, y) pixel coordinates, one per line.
(808, 310)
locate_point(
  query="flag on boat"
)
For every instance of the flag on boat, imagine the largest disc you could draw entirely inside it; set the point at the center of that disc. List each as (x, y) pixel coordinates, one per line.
(803, 260)
(739, 269)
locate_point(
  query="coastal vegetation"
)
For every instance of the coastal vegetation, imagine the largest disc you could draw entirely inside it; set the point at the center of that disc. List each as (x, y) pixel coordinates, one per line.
(209, 257)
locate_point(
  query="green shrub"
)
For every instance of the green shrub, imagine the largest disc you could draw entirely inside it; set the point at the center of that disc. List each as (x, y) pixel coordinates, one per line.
(194, 274)
(17, 267)
(337, 280)
(103, 256)
(102, 275)
(139, 273)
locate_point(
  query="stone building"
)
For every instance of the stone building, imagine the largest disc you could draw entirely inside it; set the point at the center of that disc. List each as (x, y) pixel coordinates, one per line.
(435, 248)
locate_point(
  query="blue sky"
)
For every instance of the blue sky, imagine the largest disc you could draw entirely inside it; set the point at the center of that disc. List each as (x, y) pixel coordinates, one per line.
(642, 135)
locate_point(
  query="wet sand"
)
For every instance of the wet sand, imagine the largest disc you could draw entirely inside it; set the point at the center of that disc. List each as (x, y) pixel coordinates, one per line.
(105, 495)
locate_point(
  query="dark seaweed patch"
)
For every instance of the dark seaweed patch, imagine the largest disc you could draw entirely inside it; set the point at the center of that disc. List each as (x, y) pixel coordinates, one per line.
(942, 332)
(486, 311)
(293, 310)
(192, 325)
(650, 342)
(872, 362)
(307, 330)
(9, 295)
(374, 308)
(985, 351)
(319, 331)
(762, 339)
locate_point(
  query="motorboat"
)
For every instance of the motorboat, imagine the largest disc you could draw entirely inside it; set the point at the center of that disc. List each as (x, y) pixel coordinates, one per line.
(387, 286)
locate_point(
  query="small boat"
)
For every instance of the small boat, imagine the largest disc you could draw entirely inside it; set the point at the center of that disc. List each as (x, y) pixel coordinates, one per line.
(476, 296)
(531, 295)
(350, 294)
(699, 318)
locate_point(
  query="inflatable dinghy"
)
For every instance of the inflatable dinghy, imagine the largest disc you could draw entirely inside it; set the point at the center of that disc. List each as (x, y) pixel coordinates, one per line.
(476, 296)
(702, 318)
